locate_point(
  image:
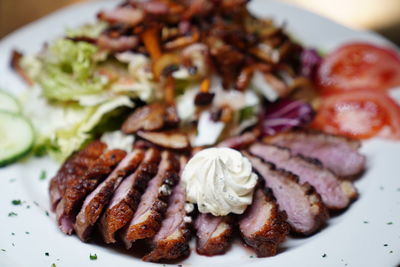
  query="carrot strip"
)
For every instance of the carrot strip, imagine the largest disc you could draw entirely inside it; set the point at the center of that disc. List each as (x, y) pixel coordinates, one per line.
(170, 90)
(151, 40)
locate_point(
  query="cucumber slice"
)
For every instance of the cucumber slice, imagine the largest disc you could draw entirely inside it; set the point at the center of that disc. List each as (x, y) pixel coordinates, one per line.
(16, 137)
(8, 103)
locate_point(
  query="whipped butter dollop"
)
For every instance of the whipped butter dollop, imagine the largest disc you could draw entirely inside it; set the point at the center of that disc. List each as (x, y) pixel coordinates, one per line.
(220, 181)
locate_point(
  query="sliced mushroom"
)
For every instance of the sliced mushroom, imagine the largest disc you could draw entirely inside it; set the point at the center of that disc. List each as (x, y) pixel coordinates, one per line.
(167, 139)
(151, 118)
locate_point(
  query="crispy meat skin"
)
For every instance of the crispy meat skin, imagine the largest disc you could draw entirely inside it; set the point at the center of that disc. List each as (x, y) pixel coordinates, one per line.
(127, 196)
(147, 220)
(79, 188)
(99, 198)
(339, 154)
(335, 193)
(263, 227)
(213, 234)
(303, 206)
(75, 166)
(171, 242)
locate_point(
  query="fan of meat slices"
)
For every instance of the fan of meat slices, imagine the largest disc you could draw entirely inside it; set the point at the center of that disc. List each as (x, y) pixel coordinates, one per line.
(233, 66)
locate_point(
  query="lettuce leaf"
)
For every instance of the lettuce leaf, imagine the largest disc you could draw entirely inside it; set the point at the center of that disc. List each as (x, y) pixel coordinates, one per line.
(67, 126)
(66, 70)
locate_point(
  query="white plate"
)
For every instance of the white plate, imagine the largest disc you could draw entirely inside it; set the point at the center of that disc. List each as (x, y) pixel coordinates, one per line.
(367, 234)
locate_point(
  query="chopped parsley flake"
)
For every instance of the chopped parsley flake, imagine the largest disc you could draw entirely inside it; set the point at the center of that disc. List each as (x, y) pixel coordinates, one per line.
(13, 244)
(391, 251)
(37, 204)
(47, 213)
(47, 254)
(93, 257)
(3, 249)
(28, 206)
(16, 202)
(251, 256)
(12, 214)
(385, 245)
(389, 223)
(12, 233)
(365, 222)
(27, 233)
(324, 255)
(53, 265)
(43, 175)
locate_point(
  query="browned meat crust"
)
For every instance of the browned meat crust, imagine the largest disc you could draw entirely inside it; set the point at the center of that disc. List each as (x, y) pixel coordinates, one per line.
(79, 188)
(127, 196)
(213, 234)
(95, 202)
(147, 220)
(171, 242)
(263, 227)
(302, 204)
(75, 166)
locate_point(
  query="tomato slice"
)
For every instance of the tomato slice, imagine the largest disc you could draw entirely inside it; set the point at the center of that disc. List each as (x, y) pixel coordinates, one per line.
(359, 114)
(359, 66)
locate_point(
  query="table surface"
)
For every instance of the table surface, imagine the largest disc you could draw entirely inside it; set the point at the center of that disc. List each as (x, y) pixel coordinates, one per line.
(382, 16)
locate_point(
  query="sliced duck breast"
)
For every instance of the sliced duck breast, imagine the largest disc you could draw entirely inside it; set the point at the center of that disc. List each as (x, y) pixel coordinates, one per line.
(147, 219)
(126, 197)
(74, 167)
(263, 226)
(303, 206)
(339, 154)
(214, 234)
(99, 198)
(77, 189)
(335, 193)
(172, 241)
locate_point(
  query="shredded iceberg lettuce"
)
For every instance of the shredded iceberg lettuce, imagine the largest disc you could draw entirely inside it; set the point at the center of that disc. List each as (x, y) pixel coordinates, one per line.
(66, 127)
(66, 70)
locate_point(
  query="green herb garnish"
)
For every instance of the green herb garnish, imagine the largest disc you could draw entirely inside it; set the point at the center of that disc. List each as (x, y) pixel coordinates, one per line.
(93, 257)
(47, 254)
(324, 255)
(43, 175)
(16, 202)
(389, 223)
(12, 214)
